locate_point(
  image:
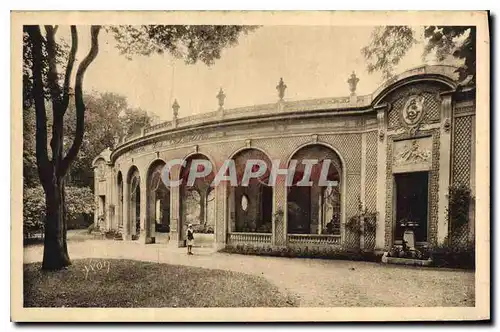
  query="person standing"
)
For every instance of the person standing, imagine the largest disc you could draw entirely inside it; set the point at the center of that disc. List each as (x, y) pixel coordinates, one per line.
(190, 239)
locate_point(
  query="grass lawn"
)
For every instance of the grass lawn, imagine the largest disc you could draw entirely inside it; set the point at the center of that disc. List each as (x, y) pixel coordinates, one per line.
(127, 283)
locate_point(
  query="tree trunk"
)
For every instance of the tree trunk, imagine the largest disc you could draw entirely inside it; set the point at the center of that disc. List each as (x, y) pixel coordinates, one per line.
(55, 253)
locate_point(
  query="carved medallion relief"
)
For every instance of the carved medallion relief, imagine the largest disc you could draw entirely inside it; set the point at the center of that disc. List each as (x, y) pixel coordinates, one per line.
(414, 106)
(413, 112)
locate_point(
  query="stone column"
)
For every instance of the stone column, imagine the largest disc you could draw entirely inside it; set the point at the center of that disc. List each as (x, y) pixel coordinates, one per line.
(144, 236)
(126, 211)
(220, 216)
(175, 238)
(381, 175)
(110, 198)
(232, 210)
(279, 237)
(444, 166)
(96, 197)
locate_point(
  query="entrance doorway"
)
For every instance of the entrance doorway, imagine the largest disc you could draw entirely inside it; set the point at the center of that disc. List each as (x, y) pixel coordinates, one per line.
(412, 193)
(102, 211)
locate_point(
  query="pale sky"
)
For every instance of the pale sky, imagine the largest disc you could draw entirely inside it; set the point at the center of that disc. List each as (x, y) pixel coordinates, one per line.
(314, 62)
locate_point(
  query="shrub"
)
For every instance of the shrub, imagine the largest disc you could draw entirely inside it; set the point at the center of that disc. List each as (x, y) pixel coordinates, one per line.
(353, 224)
(405, 252)
(203, 229)
(79, 202)
(112, 234)
(459, 199)
(303, 252)
(455, 256)
(33, 211)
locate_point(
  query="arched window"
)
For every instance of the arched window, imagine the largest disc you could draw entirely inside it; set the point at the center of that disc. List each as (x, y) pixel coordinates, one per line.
(315, 209)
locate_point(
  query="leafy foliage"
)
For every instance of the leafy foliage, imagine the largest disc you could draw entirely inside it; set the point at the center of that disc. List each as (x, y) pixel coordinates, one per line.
(369, 221)
(108, 117)
(459, 199)
(389, 44)
(453, 255)
(33, 210)
(30, 175)
(62, 51)
(327, 252)
(79, 201)
(460, 41)
(193, 43)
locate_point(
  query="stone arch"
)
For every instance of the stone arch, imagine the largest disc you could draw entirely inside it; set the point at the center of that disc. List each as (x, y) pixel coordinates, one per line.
(406, 79)
(316, 209)
(205, 155)
(134, 201)
(241, 149)
(157, 202)
(193, 197)
(250, 206)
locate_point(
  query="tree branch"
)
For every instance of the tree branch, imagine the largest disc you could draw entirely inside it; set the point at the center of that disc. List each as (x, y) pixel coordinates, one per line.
(69, 68)
(53, 75)
(56, 142)
(38, 96)
(80, 105)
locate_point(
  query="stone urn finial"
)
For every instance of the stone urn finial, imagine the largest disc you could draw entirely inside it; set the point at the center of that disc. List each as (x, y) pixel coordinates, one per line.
(353, 82)
(175, 108)
(281, 87)
(221, 97)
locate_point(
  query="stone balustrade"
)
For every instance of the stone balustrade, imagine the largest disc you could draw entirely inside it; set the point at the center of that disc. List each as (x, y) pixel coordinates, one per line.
(313, 239)
(253, 238)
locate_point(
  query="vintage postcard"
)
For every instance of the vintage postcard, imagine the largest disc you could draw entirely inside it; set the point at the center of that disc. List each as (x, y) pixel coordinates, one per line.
(250, 166)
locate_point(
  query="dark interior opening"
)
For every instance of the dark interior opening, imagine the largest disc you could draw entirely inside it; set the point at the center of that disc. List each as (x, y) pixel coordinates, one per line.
(299, 210)
(138, 210)
(412, 203)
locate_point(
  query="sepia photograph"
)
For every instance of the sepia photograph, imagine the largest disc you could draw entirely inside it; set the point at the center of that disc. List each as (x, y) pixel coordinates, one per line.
(324, 166)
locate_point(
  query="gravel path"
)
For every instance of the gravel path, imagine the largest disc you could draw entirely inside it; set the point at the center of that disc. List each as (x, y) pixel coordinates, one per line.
(313, 282)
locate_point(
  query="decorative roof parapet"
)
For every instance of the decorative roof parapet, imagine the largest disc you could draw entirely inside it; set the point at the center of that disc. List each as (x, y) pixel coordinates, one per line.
(442, 72)
(159, 126)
